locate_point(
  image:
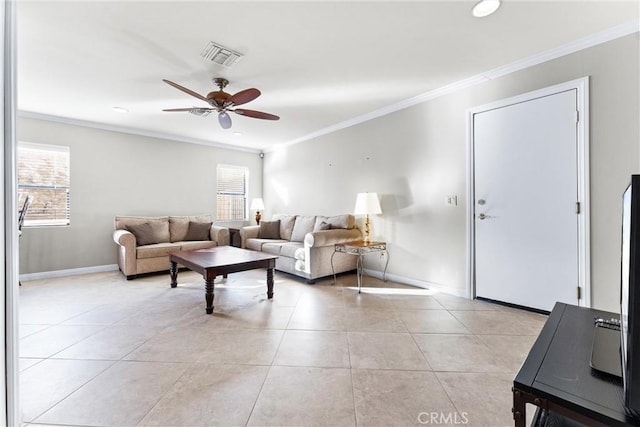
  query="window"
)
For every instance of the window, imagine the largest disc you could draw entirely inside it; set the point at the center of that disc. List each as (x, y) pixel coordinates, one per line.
(231, 201)
(43, 173)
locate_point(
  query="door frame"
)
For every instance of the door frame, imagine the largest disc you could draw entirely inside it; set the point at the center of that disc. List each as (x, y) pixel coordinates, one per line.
(9, 306)
(581, 86)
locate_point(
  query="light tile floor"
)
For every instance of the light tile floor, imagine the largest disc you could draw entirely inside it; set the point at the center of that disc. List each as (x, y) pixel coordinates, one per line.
(98, 350)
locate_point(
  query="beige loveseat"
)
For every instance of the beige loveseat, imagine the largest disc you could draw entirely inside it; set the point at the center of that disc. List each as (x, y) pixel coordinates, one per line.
(144, 243)
(304, 244)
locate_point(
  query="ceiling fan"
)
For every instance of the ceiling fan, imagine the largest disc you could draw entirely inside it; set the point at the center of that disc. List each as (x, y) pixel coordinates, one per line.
(223, 103)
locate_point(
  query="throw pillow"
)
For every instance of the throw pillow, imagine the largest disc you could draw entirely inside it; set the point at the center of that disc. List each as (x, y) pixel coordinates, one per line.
(286, 225)
(324, 226)
(269, 230)
(143, 232)
(303, 225)
(198, 231)
(342, 221)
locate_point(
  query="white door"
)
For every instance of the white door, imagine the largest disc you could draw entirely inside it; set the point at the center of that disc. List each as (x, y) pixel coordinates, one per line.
(526, 186)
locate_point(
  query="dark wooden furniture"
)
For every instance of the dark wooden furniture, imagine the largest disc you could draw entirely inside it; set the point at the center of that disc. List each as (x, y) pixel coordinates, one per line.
(557, 377)
(234, 237)
(221, 261)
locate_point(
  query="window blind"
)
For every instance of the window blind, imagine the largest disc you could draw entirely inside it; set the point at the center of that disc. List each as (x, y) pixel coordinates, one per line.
(43, 173)
(231, 201)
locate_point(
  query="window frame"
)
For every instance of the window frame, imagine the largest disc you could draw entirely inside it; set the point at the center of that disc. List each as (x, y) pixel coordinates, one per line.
(24, 188)
(244, 194)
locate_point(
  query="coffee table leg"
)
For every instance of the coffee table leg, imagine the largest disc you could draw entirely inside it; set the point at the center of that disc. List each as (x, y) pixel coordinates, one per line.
(269, 283)
(173, 270)
(208, 293)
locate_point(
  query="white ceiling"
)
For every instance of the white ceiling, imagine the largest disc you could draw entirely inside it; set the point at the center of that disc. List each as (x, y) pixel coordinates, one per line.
(316, 63)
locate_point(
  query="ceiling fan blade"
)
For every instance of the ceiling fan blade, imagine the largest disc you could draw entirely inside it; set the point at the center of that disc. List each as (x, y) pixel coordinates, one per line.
(255, 114)
(185, 90)
(243, 97)
(225, 120)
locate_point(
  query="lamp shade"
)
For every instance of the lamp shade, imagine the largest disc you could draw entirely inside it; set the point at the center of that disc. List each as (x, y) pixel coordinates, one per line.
(367, 204)
(257, 204)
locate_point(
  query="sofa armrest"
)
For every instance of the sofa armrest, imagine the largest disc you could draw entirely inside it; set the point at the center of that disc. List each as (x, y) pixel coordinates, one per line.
(220, 235)
(127, 261)
(331, 237)
(125, 238)
(249, 232)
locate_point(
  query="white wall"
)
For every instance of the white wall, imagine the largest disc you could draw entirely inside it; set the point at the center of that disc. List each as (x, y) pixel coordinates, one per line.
(415, 157)
(115, 173)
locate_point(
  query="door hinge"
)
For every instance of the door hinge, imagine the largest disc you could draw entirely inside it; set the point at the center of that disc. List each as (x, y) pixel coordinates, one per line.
(579, 292)
(577, 207)
(577, 116)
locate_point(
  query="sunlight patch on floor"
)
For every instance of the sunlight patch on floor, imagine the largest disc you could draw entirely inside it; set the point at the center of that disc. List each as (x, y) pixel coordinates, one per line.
(394, 291)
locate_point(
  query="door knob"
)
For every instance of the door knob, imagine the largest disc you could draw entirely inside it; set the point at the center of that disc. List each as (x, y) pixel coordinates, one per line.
(484, 216)
(481, 202)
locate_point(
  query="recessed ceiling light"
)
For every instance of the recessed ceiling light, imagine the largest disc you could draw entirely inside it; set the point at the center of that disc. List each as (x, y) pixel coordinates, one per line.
(237, 133)
(120, 110)
(485, 8)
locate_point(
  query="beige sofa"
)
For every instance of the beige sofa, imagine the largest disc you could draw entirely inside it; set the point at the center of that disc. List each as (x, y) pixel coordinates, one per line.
(144, 243)
(304, 244)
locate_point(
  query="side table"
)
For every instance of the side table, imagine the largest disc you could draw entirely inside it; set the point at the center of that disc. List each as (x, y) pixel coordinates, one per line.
(361, 248)
(234, 237)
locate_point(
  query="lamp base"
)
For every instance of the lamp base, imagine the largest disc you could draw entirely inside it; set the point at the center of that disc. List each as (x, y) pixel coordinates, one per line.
(367, 230)
(258, 217)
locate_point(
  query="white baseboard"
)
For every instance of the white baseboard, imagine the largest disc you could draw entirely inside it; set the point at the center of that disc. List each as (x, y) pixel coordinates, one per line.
(418, 283)
(70, 272)
(374, 273)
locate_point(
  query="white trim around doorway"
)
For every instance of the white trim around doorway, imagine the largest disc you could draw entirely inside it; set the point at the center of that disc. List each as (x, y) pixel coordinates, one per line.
(581, 86)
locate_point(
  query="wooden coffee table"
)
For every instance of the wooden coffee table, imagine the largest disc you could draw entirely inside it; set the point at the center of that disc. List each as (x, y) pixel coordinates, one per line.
(221, 261)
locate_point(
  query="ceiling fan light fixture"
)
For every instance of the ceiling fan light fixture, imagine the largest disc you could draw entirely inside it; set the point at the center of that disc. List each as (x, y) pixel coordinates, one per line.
(222, 103)
(225, 120)
(485, 8)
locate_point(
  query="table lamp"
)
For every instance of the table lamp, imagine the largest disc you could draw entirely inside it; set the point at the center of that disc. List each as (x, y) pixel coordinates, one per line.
(367, 204)
(258, 205)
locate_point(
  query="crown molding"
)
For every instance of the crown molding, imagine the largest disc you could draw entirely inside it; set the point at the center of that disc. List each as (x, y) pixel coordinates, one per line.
(131, 131)
(560, 51)
(530, 61)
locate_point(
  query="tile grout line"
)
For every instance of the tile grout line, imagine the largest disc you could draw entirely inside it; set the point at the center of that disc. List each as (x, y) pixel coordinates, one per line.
(255, 402)
(72, 392)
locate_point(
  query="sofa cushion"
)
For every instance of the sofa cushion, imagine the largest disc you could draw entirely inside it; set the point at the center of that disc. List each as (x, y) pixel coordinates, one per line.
(192, 245)
(272, 248)
(256, 244)
(198, 231)
(143, 232)
(302, 226)
(156, 250)
(269, 230)
(179, 226)
(286, 225)
(289, 249)
(159, 224)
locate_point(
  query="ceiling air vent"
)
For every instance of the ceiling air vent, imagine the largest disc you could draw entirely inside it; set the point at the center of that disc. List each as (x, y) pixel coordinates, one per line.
(221, 55)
